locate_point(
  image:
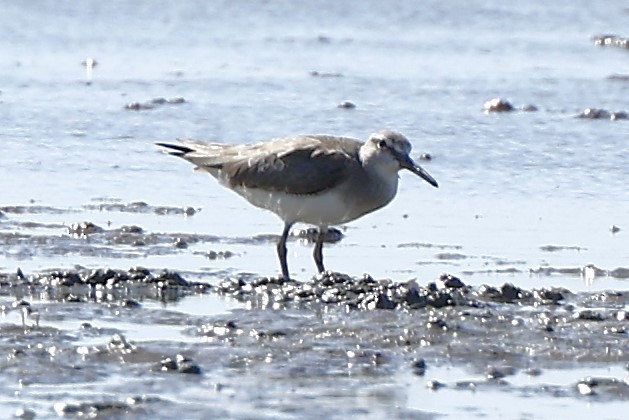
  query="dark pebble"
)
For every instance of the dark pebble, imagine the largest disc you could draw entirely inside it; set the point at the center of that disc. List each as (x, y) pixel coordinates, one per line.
(548, 294)
(440, 300)
(168, 365)
(131, 303)
(171, 278)
(138, 273)
(533, 371)
(498, 105)
(499, 372)
(449, 281)
(589, 315)
(62, 278)
(509, 292)
(84, 229)
(383, 302)
(180, 364)
(419, 367)
(132, 229)
(595, 114)
(105, 277)
(186, 365)
(346, 105)
(214, 255)
(435, 385)
(414, 299)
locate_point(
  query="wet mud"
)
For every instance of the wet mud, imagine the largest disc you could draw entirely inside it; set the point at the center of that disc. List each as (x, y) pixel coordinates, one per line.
(125, 337)
(332, 330)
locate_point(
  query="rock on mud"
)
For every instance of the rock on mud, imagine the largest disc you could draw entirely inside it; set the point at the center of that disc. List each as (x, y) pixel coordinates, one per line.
(498, 105)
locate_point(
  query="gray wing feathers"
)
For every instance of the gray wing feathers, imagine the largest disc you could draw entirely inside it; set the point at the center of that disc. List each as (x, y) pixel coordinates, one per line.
(297, 165)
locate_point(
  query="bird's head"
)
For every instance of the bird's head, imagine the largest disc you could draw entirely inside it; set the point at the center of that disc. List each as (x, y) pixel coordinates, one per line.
(391, 149)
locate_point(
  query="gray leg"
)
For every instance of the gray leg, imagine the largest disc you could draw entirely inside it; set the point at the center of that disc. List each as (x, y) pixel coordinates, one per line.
(318, 249)
(281, 250)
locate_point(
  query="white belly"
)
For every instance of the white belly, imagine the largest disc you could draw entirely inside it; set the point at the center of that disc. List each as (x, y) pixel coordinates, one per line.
(331, 207)
(328, 208)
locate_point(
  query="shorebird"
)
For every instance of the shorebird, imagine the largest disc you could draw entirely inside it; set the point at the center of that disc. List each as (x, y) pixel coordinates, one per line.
(314, 179)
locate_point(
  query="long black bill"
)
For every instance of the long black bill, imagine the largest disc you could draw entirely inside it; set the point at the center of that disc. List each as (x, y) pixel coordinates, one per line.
(407, 163)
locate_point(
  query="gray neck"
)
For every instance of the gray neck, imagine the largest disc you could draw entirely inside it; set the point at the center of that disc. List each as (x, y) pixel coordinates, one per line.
(382, 189)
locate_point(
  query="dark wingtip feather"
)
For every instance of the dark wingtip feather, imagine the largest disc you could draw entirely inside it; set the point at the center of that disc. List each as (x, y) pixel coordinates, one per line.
(175, 149)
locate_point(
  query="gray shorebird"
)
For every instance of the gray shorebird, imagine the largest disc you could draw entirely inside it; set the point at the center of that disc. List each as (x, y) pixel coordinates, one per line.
(319, 180)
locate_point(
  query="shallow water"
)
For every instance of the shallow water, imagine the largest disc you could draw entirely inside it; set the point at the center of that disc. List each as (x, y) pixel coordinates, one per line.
(525, 197)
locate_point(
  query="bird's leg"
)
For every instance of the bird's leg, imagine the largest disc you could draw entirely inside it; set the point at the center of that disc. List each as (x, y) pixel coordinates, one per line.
(281, 250)
(318, 249)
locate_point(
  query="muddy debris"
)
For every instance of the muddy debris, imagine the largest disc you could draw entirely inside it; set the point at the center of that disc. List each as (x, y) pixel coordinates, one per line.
(151, 104)
(588, 270)
(612, 389)
(179, 364)
(611, 40)
(89, 239)
(127, 287)
(618, 77)
(142, 207)
(84, 229)
(367, 293)
(34, 210)
(603, 114)
(325, 75)
(500, 372)
(218, 255)
(180, 243)
(503, 105)
(556, 248)
(110, 409)
(332, 235)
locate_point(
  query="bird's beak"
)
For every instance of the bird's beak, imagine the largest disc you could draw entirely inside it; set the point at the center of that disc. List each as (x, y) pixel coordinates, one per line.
(407, 163)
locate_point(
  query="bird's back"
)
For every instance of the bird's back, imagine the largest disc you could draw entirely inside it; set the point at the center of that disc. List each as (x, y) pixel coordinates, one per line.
(295, 165)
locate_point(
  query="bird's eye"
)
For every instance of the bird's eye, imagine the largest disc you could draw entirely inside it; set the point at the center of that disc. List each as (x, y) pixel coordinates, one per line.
(382, 144)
